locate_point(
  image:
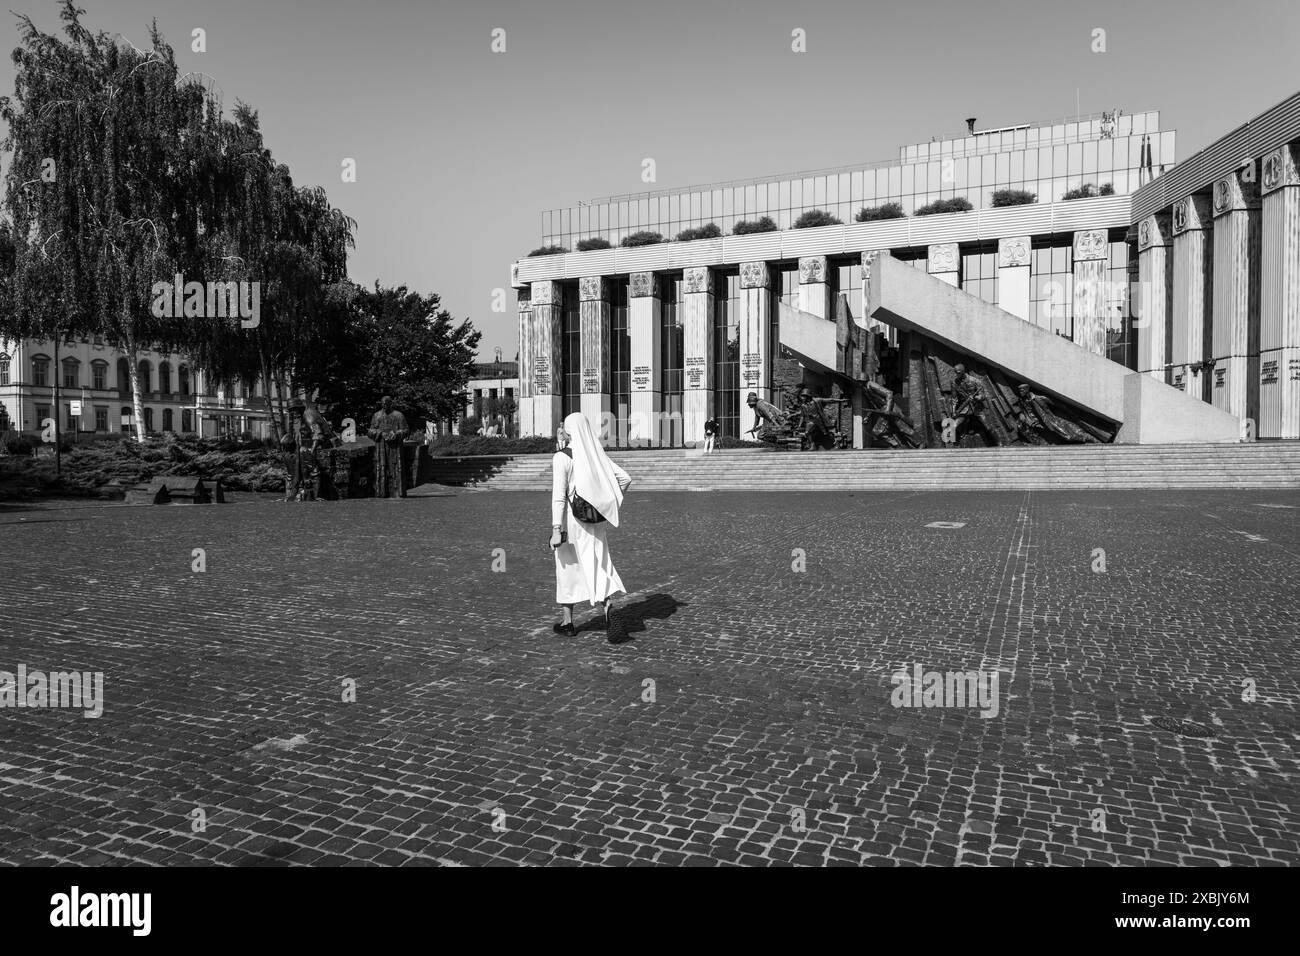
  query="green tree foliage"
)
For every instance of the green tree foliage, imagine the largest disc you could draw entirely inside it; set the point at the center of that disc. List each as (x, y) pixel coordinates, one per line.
(126, 174)
(889, 210)
(105, 187)
(1013, 197)
(1088, 191)
(749, 226)
(399, 343)
(643, 238)
(815, 217)
(710, 231)
(594, 242)
(547, 251)
(959, 204)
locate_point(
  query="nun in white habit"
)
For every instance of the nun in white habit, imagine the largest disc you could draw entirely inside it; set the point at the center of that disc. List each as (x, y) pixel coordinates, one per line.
(584, 570)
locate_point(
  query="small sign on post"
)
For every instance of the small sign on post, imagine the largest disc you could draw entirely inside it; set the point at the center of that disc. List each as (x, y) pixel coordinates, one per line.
(76, 409)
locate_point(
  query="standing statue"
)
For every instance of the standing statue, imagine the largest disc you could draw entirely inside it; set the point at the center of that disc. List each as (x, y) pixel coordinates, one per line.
(306, 445)
(387, 430)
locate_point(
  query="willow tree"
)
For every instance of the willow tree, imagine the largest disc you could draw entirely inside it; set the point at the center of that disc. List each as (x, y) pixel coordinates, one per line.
(291, 242)
(109, 145)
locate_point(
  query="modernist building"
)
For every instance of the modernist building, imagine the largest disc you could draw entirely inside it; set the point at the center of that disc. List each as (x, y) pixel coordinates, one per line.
(177, 397)
(1188, 272)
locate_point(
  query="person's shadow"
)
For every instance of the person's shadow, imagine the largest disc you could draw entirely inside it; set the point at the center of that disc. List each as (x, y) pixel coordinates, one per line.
(630, 619)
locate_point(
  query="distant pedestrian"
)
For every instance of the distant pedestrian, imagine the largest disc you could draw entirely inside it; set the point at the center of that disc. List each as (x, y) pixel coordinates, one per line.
(711, 429)
(586, 493)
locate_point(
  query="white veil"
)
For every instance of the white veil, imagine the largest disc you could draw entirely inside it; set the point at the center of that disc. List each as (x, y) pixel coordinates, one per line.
(593, 473)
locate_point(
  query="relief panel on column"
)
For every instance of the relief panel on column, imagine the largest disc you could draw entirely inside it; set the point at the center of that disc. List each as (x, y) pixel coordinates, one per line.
(1152, 301)
(813, 288)
(1280, 249)
(1091, 299)
(547, 335)
(525, 344)
(1193, 289)
(943, 261)
(593, 305)
(697, 327)
(1235, 329)
(1013, 275)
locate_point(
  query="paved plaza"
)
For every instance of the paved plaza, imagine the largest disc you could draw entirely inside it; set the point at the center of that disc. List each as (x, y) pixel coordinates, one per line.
(1146, 712)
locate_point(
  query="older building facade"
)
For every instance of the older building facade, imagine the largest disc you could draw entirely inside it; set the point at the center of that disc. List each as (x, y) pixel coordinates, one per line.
(94, 377)
(1186, 272)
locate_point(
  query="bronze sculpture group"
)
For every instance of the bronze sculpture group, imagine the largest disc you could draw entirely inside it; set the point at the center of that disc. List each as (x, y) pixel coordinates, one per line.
(320, 467)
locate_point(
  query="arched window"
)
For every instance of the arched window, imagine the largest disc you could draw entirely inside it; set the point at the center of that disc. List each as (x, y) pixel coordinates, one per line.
(71, 373)
(183, 374)
(40, 370)
(146, 375)
(123, 377)
(167, 419)
(148, 419)
(165, 379)
(4, 369)
(187, 420)
(99, 375)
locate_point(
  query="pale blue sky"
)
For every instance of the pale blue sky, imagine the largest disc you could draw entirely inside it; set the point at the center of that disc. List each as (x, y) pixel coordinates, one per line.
(460, 149)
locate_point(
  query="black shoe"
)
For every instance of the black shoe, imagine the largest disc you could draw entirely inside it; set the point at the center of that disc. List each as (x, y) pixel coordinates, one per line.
(614, 631)
(566, 629)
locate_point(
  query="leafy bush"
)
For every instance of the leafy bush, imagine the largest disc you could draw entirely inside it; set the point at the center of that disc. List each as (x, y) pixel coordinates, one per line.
(17, 443)
(547, 251)
(595, 242)
(711, 231)
(449, 446)
(642, 238)
(1013, 197)
(90, 466)
(959, 204)
(890, 210)
(469, 426)
(1089, 191)
(815, 217)
(749, 226)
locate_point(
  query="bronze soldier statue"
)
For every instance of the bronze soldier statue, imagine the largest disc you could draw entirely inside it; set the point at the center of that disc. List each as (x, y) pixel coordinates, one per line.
(306, 445)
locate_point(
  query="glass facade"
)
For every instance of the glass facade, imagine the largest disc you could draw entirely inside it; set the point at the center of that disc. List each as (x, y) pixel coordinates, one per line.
(1123, 152)
(570, 350)
(671, 360)
(620, 359)
(726, 354)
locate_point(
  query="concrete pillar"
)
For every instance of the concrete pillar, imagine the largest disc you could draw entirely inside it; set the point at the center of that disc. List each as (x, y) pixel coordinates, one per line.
(1280, 249)
(755, 331)
(943, 261)
(697, 348)
(1091, 298)
(1279, 358)
(1234, 328)
(547, 401)
(526, 361)
(1153, 317)
(1193, 295)
(645, 330)
(593, 318)
(1013, 275)
(814, 294)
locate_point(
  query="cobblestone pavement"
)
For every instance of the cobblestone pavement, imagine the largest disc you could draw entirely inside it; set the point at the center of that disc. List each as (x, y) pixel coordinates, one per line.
(746, 719)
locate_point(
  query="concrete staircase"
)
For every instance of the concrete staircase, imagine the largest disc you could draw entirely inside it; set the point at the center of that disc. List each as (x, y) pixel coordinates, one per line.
(1253, 465)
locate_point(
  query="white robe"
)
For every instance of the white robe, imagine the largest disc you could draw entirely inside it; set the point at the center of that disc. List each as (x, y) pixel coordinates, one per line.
(584, 570)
